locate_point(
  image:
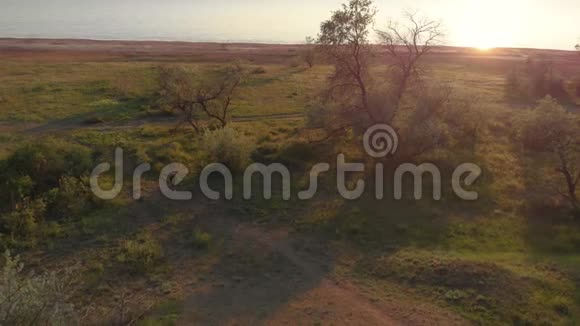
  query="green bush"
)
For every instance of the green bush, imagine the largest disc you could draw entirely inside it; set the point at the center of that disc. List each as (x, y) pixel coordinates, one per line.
(70, 199)
(547, 125)
(34, 169)
(142, 254)
(165, 154)
(15, 189)
(258, 71)
(318, 115)
(229, 147)
(551, 129)
(436, 117)
(23, 222)
(27, 299)
(42, 181)
(201, 240)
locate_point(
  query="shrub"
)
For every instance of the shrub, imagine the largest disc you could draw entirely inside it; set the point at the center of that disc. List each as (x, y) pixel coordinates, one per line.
(536, 81)
(194, 96)
(141, 254)
(15, 189)
(550, 128)
(201, 240)
(258, 71)
(125, 86)
(430, 119)
(166, 154)
(318, 115)
(463, 115)
(27, 299)
(42, 180)
(546, 125)
(23, 221)
(297, 155)
(294, 63)
(45, 164)
(93, 121)
(70, 199)
(229, 147)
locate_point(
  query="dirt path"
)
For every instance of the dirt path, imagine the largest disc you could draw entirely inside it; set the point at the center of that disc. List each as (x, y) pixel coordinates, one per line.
(293, 286)
(317, 297)
(56, 126)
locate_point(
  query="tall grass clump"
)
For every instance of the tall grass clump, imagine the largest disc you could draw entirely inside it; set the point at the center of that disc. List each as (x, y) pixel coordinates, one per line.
(141, 254)
(229, 147)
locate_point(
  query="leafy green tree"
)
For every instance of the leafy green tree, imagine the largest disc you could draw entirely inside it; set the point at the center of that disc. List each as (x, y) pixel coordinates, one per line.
(344, 41)
(552, 129)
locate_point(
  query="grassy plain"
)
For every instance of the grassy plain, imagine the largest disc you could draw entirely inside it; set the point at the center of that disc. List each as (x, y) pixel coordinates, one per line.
(325, 261)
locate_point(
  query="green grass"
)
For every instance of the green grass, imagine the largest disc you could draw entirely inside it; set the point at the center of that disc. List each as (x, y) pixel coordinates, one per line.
(164, 314)
(498, 289)
(81, 92)
(55, 92)
(489, 261)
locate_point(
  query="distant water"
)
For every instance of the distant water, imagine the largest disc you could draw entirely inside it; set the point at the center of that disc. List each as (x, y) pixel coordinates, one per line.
(180, 20)
(280, 21)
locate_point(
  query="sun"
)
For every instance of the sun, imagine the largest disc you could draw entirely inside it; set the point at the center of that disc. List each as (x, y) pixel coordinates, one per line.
(484, 48)
(483, 43)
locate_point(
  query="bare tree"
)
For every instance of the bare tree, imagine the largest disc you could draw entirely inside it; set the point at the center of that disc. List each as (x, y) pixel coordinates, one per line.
(406, 45)
(343, 39)
(353, 99)
(181, 91)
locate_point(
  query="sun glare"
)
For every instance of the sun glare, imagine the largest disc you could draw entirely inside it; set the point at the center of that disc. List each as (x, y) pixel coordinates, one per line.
(484, 48)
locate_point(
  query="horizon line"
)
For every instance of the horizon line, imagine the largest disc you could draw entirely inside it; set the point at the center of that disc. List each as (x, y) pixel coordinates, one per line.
(260, 42)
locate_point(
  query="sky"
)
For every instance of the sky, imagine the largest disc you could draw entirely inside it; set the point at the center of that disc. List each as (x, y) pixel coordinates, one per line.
(553, 24)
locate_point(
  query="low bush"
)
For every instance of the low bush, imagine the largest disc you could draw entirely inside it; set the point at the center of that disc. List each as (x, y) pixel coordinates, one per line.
(229, 147)
(40, 182)
(258, 71)
(141, 254)
(22, 222)
(547, 125)
(318, 115)
(38, 168)
(28, 299)
(70, 199)
(201, 240)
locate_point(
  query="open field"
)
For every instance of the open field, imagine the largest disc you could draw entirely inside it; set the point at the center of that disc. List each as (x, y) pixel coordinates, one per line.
(496, 261)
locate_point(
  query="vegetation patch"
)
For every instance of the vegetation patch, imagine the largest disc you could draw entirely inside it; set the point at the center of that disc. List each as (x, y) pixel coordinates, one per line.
(483, 291)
